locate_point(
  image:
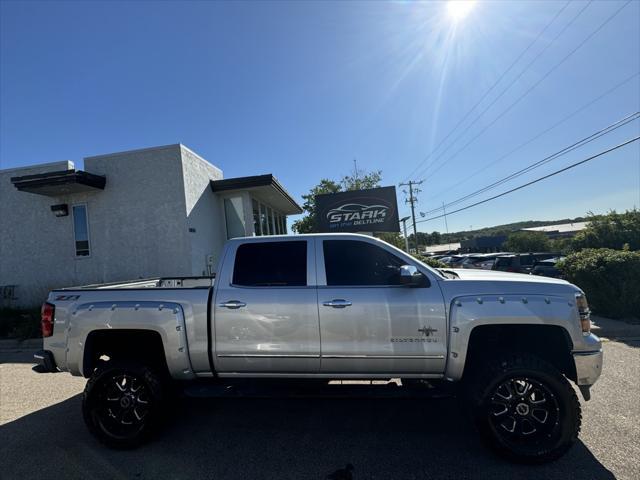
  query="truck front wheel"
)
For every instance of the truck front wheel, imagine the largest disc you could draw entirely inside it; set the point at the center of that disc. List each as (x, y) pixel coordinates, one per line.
(122, 403)
(525, 409)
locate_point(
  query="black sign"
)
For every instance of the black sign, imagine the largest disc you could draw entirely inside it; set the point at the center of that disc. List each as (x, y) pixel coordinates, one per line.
(373, 210)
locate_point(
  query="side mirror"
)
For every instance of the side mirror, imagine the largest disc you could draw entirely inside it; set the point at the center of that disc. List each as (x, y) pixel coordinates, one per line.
(411, 277)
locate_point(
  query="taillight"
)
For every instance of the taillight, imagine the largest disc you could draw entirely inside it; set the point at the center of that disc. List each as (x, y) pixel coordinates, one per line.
(584, 313)
(46, 319)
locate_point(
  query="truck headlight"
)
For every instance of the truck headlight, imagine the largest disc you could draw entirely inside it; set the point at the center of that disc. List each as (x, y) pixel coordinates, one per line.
(584, 313)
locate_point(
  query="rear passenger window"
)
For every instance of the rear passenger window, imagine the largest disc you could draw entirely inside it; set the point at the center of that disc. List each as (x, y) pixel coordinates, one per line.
(352, 262)
(271, 264)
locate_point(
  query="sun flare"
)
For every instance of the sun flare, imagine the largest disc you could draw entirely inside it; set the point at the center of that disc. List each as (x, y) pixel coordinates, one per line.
(459, 9)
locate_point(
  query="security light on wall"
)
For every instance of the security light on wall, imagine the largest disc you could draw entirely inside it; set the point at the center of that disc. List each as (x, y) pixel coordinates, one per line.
(61, 210)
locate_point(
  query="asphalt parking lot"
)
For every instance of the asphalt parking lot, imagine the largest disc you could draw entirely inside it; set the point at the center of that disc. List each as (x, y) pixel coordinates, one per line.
(381, 432)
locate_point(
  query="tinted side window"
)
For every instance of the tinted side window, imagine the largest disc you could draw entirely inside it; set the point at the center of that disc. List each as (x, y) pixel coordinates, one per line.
(271, 264)
(526, 259)
(504, 261)
(351, 262)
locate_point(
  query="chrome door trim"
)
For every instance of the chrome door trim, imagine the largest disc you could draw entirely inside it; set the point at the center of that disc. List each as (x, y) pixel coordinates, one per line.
(266, 355)
(233, 304)
(400, 357)
(337, 303)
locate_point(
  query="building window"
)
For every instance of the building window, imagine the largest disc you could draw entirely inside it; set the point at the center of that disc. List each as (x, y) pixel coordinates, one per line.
(256, 218)
(276, 221)
(81, 230)
(266, 220)
(234, 217)
(264, 224)
(272, 229)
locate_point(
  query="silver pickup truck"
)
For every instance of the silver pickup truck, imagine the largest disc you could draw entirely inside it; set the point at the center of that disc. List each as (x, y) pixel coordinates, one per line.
(334, 306)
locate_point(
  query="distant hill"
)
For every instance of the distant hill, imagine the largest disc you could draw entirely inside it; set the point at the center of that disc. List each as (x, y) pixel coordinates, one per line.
(435, 238)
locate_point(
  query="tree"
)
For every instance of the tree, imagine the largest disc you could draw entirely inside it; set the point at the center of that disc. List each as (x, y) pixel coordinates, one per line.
(393, 238)
(523, 242)
(307, 223)
(614, 230)
(358, 180)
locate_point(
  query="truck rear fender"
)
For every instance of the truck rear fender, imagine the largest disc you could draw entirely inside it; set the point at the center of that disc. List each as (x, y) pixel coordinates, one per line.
(167, 319)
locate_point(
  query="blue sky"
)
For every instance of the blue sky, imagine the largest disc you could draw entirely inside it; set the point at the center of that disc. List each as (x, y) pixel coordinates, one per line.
(300, 89)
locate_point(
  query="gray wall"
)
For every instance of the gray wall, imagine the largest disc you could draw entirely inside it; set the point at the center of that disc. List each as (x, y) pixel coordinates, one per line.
(36, 248)
(138, 225)
(204, 212)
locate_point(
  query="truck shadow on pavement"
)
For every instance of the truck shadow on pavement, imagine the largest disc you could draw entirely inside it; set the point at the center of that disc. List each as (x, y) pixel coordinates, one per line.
(278, 438)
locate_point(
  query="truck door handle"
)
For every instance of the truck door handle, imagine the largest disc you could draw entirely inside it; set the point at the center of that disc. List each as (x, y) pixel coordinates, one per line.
(337, 303)
(232, 304)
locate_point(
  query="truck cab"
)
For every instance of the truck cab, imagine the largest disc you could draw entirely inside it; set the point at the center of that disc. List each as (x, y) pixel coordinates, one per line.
(329, 305)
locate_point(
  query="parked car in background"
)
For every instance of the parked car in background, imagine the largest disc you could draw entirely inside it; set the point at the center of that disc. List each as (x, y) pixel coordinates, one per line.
(482, 261)
(521, 262)
(477, 261)
(547, 268)
(452, 261)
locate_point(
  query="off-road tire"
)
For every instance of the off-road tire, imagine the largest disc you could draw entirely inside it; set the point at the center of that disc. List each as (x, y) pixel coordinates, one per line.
(532, 441)
(145, 397)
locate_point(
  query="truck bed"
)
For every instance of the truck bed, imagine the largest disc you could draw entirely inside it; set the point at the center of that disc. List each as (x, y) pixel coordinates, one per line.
(158, 282)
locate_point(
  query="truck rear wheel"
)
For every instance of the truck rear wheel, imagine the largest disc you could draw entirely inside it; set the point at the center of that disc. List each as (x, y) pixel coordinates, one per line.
(525, 409)
(122, 403)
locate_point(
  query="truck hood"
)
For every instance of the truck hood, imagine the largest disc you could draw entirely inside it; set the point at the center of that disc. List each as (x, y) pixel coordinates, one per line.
(489, 282)
(498, 276)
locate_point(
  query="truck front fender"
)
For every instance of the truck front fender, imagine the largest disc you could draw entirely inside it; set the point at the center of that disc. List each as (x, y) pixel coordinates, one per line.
(469, 312)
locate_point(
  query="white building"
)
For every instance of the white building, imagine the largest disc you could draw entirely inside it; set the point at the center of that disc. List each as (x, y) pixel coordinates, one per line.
(561, 230)
(162, 211)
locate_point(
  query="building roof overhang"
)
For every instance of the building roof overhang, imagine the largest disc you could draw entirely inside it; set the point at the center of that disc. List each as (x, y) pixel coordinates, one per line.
(263, 187)
(64, 182)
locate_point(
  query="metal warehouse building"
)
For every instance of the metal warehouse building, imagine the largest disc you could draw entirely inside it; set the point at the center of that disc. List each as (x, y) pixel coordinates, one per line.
(155, 212)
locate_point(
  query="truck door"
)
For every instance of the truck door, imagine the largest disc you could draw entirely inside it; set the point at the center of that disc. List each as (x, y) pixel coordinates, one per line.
(371, 322)
(265, 310)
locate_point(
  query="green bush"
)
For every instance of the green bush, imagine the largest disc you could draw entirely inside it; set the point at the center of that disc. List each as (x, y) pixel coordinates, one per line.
(432, 262)
(22, 324)
(525, 242)
(614, 230)
(610, 279)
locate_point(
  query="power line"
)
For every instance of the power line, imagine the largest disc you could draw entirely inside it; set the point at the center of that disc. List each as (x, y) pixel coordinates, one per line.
(580, 143)
(530, 89)
(543, 132)
(495, 84)
(573, 165)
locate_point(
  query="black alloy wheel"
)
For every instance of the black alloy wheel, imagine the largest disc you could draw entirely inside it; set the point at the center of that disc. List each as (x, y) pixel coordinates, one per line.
(525, 409)
(122, 403)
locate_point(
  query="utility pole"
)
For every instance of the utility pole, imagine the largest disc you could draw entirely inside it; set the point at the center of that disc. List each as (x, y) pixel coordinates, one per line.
(355, 174)
(413, 200)
(446, 225)
(406, 239)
